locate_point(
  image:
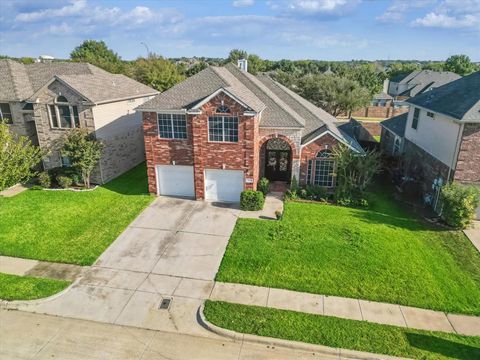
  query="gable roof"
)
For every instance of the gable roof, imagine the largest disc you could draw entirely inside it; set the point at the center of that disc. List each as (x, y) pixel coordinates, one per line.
(459, 99)
(396, 124)
(425, 80)
(280, 106)
(20, 82)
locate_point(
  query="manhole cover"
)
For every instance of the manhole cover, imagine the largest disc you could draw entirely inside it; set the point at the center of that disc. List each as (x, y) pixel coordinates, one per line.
(165, 304)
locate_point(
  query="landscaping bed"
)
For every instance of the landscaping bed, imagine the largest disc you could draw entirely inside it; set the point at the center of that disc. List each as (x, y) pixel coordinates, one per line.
(342, 333)
(383, 253)
(13, 287)
(71, 227)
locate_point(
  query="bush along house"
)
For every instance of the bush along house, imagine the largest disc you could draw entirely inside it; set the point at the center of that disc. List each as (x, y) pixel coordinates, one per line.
(216, 133)
(45, 99)
(439, 139)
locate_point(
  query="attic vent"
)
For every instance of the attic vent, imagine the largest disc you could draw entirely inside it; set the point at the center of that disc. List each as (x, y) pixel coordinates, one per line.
(243, 64)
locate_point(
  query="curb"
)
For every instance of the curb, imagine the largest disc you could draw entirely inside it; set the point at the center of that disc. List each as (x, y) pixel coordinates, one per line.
(294, 345)
(16, 304)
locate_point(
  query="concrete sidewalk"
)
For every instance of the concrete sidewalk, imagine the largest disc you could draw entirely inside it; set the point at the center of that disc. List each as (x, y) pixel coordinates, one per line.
(346, 308)
(473, 233)
(36, 268)
(35, 336)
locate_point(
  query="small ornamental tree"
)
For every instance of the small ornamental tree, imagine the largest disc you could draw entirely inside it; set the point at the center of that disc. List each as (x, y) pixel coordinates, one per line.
(459, 204)
(18, 157)
(84, 152)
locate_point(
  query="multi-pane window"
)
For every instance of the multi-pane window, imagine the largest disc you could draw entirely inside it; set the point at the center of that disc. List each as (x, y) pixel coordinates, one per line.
(309, 171)
(430, 114)
(416, 114)
(63, 115)
(5, 113)
(223, 128)
(172, 126)
(324, 172)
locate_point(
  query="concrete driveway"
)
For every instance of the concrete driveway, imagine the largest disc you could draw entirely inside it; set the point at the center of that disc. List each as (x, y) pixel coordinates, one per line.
(171, 251)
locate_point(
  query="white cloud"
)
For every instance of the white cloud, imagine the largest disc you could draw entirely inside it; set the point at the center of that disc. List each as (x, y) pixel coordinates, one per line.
(76, 7)
(325, 40)
(397, 10)
(243, 3)
(314, 7)
(445, 21)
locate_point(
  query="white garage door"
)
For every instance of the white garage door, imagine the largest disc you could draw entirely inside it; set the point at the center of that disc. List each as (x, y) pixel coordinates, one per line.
(223, 185)
(175, 180)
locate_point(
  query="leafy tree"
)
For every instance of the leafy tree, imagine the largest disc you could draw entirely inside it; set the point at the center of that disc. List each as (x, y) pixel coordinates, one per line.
(459, 64)
(195, 68)
(333, 93)
(157, 72)
(98, 54)
(255, 64)
(368, 76)
(434, 65)
(84, 152)
(236, 54)
(398, 68)
(18, 157)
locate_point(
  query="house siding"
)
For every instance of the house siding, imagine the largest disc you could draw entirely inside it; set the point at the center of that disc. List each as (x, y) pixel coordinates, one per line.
(468, 164)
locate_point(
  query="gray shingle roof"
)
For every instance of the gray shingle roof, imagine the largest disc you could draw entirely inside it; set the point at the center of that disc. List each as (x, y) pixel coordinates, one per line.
(425, 80)
(459, 99)
(396, 124)
(382, 96)
(19, 82)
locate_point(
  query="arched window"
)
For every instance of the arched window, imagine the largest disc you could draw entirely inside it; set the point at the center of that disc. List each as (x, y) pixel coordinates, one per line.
(62, 114)
(320, 171)
(223, 109)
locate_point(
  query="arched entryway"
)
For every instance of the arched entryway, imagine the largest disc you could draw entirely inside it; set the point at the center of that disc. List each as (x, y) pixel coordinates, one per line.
(276, 160)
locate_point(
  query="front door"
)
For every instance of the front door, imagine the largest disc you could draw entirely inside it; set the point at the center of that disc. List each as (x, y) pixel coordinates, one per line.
(277, 165)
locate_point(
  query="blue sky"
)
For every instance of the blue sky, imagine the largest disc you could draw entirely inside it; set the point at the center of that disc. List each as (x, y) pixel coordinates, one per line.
(292, 29)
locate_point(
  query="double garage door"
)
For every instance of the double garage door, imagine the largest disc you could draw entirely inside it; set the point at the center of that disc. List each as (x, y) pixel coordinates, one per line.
(220, 185)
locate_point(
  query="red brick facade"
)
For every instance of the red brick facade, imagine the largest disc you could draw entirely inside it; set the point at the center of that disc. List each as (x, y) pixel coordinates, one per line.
(197, 150)
(311, 150)
(468, 164)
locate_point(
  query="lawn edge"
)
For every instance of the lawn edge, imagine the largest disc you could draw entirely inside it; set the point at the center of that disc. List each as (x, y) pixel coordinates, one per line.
(16, 304)
(295, 345)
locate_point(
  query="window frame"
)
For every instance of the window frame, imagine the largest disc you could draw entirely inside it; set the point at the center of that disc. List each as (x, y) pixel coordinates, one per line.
(430, 114)
(312, 165)
(172, 126)
(415, 118)
(223, 117)
(74, 119)
(10, 120)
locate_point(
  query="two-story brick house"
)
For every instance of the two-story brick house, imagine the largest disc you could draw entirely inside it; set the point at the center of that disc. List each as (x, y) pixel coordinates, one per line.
(44, 100)
(440, 137)
(216, 133)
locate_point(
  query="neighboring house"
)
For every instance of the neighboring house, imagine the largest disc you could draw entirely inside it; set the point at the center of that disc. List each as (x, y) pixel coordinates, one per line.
(440, 137)
(43, 100)
(393, 135)
(216, 133)
(404, 86)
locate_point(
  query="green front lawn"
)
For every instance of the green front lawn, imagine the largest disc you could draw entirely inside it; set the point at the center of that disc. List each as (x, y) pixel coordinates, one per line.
(382, 254)
(13, 287)
(71, 227)
(342, 333)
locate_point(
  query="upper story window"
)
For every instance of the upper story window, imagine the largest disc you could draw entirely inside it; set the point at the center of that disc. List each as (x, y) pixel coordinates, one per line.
(416, 115)
(63, 115)
(5, 113)
(172, 126)
(223, 128)
(430, 114)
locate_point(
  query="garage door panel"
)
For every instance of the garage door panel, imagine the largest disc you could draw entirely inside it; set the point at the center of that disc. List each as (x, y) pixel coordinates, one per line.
(175, 180)
(223, 185)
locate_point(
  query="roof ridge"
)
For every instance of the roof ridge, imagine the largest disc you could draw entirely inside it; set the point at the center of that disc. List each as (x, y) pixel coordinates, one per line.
(278, 101)
(14, 78)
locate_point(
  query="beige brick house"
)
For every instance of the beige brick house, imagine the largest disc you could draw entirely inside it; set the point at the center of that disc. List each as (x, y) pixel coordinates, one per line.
(44, 100)
(216, 133)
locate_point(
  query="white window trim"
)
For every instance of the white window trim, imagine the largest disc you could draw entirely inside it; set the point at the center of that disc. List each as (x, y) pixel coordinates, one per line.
(171, 124)
(413, 118)
(223, 130)
(11, 114)
(314, 168)
(57, 113)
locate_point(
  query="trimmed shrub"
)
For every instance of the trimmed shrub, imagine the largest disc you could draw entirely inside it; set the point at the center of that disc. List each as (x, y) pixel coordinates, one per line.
(459, 204)
(44, 180)
(64, 182)
(263, 186)
(251, 200)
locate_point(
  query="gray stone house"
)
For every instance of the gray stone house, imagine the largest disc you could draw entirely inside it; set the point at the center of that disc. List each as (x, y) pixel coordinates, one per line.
(44, 100)
(439, 138)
